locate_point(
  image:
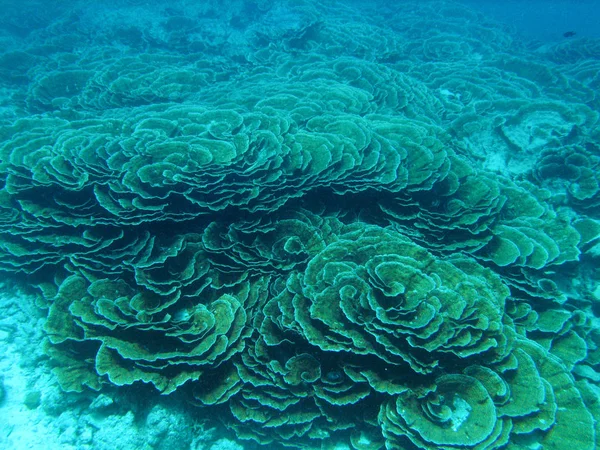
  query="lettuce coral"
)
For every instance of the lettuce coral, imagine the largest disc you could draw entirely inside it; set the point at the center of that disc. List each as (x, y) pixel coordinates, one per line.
(376, 229)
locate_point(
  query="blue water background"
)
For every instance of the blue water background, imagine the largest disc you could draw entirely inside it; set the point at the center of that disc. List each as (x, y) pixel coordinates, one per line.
(544, 20)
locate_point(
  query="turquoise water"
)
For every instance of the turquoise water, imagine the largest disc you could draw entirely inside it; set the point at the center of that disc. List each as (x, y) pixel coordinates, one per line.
(277, 224)
(544, 21)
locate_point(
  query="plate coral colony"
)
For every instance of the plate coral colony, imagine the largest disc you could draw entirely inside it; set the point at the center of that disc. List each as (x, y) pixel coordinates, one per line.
(319, 224)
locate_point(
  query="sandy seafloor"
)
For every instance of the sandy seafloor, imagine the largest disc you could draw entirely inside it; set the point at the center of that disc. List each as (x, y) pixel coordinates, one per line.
(36, 414)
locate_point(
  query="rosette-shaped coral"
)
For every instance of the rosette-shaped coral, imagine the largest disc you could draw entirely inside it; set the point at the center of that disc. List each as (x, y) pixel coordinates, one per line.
(176, 163)
(537, 124)
(291, 391)
(457, 212)
(177, 319)
(284, 389)
(374, 292)
(279, 242)
(572, 171)
(527, 399)
(322, 222)
(507, 224)
(456, 412)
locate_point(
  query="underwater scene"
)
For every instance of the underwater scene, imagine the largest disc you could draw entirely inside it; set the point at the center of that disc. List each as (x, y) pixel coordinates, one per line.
(299, 224)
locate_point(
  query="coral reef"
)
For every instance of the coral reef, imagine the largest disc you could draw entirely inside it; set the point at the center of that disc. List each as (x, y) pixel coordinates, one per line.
(324, 224)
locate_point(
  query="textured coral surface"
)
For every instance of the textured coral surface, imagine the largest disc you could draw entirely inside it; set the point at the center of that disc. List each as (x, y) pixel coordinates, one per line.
(325, 223)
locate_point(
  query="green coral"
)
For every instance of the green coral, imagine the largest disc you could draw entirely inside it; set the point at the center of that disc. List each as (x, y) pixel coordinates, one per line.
(571, 172)
(375, 228)
(470, 411)
(457, 412)
(373, 292)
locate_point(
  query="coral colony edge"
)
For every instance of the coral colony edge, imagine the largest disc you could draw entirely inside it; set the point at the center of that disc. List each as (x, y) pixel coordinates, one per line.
(322, 224)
